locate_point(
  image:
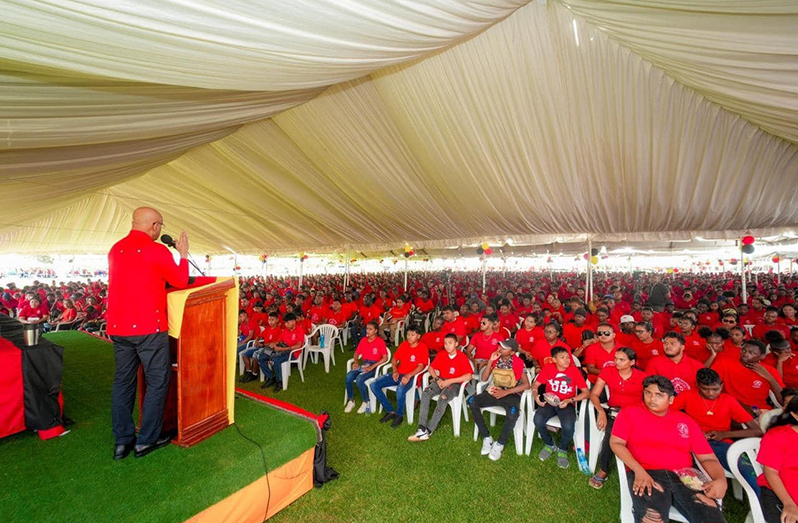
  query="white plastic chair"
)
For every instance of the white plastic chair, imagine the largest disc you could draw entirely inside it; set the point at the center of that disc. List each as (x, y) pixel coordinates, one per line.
(295, 359)
(410, 397)
(102, 331)
(579, 428)
(749, 447)
(596, 435)
(330, 333)
(457, 403)
(66, 326)
(399, 333)
(626, 499)
(518, 430)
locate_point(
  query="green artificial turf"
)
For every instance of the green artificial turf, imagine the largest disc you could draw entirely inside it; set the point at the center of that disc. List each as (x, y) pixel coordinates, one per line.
(74, 479)
(445, 479)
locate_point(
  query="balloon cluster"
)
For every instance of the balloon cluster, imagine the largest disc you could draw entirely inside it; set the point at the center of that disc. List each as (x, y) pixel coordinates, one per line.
(733, 261)
(208, 258)
(484, 249)
(748, 244)
(237, 268)
(303, 257)
(408, 251)
(263, 258)
(395, 261)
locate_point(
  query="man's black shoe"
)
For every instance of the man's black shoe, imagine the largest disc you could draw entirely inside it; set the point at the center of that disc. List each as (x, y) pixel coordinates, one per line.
(247, 377)
(388, 417)
(122, 451)
(142, 450)
(268, 383)
(278, 386)
(397, 421)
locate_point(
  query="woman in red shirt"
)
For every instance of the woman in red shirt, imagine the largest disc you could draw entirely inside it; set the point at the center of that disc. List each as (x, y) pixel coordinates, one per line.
(625, 384)
(779, 482)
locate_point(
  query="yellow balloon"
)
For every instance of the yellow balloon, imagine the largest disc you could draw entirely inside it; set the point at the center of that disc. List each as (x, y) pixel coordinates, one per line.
(669, 271)
(594, 260)
(485, 246)
(408, 248)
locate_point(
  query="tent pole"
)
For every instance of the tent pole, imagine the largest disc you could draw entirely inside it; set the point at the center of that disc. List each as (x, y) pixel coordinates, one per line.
(301, 269)
(405, 273)
(589, 283)
(346, 274)
(742, 274)
(778, 271)
(484, 268)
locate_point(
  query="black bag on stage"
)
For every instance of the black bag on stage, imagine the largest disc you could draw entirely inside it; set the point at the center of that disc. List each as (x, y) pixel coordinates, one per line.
(321, 472)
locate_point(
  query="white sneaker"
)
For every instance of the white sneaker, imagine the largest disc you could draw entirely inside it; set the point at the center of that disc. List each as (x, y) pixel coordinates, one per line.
(487, 444)
(417, 436)
(350, 406)
(363, 407)
(496, 451)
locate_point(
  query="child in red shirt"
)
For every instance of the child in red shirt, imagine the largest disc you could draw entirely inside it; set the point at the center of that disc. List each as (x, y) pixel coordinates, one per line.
(450, 370)
(484, 343)
(371, 352)
(653, 440)
(563, 380)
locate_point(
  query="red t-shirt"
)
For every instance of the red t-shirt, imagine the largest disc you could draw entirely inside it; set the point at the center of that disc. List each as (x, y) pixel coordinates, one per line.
(372, 350)
(456, 327)
(724, 409)
(696, 347)
(452, 367)
(409, 357)
(471, 322)
(271, 334)
(526, 338)
(509, 321)
(623, 392)
(573, 334)
(562, 383)
(433, 340)
(69, 314)
(596, 355)
(317, 314)
(336, 318)
(370, 313)
(250, 326)
(777, 451)
(292, 337)
(646, 351)
(541, 350)
(485, 345)
(762, 328)
(29, 312)
(424, 306)
(747, 386)
(660, 442)
(681, 374)
(789, 369)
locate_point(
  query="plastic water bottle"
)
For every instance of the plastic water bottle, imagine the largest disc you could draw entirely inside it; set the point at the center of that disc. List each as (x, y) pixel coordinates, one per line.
(321, 341)
(368, 409)
(580, 457)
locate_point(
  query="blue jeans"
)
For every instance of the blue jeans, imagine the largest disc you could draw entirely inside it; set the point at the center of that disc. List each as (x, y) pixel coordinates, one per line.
(386, 380)
(277, 359)
(567, 421)
(359, 377)
(358, 332)
(721, 448)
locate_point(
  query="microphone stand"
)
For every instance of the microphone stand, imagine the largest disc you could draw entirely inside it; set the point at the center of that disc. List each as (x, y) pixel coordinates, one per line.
(191, 261)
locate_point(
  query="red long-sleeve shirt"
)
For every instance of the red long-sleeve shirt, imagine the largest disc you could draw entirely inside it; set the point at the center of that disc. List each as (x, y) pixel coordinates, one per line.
(138, 270)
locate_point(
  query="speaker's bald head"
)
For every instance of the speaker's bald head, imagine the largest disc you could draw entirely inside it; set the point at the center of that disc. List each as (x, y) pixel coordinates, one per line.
(148, 220)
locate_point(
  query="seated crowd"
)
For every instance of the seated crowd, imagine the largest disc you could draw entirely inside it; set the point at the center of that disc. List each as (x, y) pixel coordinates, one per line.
(676, 370)
(71, 305)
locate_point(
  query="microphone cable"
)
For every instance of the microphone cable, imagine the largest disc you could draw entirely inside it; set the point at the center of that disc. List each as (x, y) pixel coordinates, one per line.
(265, 468)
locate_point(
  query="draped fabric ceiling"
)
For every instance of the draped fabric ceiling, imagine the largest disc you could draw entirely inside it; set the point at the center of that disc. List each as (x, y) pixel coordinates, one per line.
(324, 126)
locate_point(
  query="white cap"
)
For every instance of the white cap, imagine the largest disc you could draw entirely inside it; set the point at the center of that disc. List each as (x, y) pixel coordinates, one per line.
(627, 319)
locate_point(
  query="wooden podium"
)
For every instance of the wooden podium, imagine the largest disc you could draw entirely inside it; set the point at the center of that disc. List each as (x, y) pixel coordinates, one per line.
(196, 405)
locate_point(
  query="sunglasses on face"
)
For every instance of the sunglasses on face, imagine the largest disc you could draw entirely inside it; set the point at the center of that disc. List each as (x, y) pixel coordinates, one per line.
(729, 321)
(604, 333)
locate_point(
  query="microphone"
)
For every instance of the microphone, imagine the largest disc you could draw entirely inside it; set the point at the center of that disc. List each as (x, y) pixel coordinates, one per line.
(167, 240)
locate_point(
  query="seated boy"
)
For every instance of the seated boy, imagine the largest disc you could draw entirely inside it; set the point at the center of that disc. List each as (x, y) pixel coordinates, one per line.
(564, 381)
(448, 370)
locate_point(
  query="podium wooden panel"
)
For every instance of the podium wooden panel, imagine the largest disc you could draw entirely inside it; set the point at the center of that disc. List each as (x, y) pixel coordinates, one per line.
(196, 405)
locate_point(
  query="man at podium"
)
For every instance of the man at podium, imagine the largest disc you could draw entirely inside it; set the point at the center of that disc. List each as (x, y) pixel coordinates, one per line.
(139, 270)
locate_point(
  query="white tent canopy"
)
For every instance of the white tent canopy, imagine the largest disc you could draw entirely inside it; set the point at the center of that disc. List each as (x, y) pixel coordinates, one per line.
(326, 126)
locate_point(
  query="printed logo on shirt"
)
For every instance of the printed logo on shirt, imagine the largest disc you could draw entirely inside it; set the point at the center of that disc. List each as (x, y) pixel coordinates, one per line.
(655, 352)
(374, 351)
(609, 364)
(412, 358)
(679, 385)
(451, 370)
(683, 430)
(757, 384)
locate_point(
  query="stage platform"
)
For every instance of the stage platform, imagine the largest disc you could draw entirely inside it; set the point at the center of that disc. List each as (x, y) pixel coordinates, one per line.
(74, 479)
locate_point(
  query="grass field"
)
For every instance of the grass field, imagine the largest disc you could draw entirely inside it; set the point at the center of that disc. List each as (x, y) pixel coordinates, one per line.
(445, 479)
(383, 477)
(74, 479)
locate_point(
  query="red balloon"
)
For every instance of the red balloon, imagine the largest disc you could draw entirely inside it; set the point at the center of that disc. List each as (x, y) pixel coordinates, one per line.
(489, 252)
(775, 259)
(748, 240)
(586, 256)
(412, 252)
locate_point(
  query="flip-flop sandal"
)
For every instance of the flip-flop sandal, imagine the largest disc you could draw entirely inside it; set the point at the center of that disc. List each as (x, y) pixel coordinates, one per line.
(597, 482)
